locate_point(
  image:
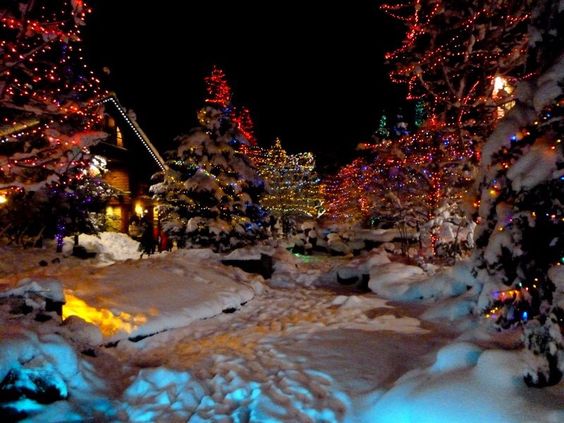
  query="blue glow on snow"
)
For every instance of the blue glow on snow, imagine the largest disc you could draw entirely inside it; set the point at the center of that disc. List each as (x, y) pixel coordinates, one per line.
(238, 395)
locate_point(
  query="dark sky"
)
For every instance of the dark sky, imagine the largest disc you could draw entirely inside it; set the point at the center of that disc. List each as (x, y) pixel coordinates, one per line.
(310, 71)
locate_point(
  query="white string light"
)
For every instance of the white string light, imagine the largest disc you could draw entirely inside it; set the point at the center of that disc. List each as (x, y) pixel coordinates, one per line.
(138, 131)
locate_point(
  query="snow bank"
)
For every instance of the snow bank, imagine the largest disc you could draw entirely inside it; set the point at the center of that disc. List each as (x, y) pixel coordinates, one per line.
(161, 394)
(290, 271)
(37, 370)
(50, 289)
(401, 282)
(142, 297)
(393, 280)
(466, 384)
(108, 246)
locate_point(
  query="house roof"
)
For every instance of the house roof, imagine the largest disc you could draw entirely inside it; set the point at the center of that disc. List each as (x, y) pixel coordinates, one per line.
(113, 102)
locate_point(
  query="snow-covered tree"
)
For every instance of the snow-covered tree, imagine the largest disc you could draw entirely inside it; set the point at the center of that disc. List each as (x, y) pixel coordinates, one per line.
(292, 185)
(208, 194)
(520, 242)
(48, 114)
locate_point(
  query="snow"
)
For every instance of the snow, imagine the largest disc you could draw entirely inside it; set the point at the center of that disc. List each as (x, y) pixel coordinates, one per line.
(46, 288)
(534, 167)
(161, 394)
(46, 361)
(317, 352)
(109, 246)
(465, 384)
(393, 280)
(148, 296)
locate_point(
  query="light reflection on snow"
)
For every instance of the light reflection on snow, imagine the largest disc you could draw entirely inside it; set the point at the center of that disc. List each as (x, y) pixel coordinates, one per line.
(108, 322)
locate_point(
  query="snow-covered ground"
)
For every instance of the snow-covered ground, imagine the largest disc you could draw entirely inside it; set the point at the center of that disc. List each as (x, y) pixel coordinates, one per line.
(227, 346)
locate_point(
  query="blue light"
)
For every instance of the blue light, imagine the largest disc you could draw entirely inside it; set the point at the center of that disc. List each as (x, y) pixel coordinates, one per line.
(514, 138)
(525, 316)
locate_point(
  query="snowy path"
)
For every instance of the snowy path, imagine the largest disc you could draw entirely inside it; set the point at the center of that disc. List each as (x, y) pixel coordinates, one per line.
(284, 355)
(292, 355)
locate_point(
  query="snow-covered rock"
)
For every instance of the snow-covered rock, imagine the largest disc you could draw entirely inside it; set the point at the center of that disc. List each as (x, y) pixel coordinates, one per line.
(393, 280)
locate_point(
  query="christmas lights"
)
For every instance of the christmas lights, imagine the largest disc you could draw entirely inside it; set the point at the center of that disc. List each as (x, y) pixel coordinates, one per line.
(452, 52)
(207, 193)
(48, 118)
(293, 188)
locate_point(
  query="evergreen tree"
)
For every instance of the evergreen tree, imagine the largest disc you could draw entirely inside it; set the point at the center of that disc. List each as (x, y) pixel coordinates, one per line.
(420, 113)
(292, 185)
(208, 193)
(383, 132)
(48, 119)
(520, 242)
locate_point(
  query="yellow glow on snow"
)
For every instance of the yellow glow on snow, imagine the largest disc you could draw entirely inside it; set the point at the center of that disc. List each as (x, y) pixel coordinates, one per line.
(109, 323)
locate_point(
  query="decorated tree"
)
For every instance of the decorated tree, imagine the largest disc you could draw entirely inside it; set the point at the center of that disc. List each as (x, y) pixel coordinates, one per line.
(383, 132)
(463, 58)
(420, 114)
(421, 181)
(292, 185)
(208, 193)
(349, 195)
(453, 52)
(520, 241)
(220, 94)
(48, 118)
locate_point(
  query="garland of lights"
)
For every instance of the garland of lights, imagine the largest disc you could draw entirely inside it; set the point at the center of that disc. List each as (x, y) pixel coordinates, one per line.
(408, 178)
(137, 131)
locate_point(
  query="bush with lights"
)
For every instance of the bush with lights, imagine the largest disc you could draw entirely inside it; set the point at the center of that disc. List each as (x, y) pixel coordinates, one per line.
(208, 194)
(49, 116)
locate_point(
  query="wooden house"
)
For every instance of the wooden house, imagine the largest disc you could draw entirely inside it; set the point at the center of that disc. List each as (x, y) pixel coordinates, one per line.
(131, 160)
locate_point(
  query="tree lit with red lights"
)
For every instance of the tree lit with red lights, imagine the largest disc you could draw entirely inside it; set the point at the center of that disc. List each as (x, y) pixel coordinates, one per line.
(452, 53)
(48, 107)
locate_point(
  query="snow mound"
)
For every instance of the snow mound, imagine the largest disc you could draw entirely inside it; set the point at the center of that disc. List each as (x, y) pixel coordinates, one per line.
(161, 394)
(393, 280)
(46, 288)
(143, 297)
(109, 246)
(37, 370)
(465, 384)
(250, 253)
(289, 271)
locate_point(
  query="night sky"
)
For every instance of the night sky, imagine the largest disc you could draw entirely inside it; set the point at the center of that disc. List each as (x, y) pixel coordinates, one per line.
(311, 72)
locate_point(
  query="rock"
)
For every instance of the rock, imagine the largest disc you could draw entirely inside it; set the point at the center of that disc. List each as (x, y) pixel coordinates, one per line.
(82, 331)
(80, 252)
(37, 384)
(263, 267)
